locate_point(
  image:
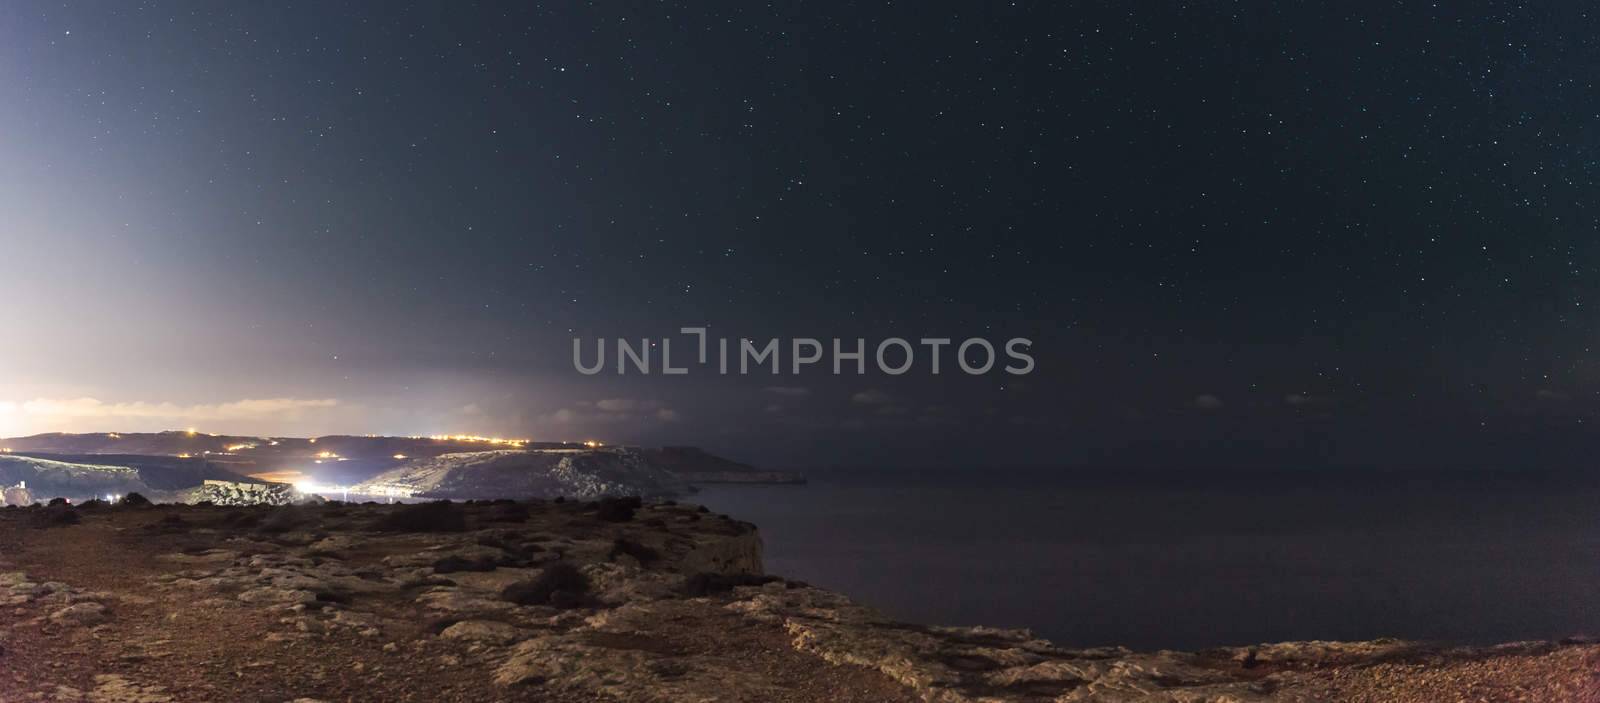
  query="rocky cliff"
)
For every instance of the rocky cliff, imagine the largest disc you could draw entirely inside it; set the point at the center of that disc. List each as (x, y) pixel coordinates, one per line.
(47, 478)
(532, 473)
(612, 600)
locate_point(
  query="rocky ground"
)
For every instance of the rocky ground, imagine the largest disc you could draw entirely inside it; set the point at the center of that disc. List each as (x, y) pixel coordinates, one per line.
(570, 601)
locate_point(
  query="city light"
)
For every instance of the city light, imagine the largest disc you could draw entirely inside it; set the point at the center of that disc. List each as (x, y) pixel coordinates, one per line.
(479, 439)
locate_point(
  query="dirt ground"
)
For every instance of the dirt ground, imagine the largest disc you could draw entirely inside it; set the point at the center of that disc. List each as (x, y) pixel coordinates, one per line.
(158, 643)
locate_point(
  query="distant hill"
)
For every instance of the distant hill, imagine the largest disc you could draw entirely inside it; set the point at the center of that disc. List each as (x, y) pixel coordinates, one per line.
(263, 453)
(441, 467)
(47, 478)
(157, 443)
(162, 473)
(696, 465)
(586, 473)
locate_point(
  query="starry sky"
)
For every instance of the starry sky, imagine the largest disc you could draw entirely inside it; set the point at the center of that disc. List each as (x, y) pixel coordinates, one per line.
(1239, 234)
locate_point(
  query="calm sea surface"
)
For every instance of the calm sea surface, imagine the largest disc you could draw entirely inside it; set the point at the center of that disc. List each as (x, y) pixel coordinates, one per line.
(1153, 561)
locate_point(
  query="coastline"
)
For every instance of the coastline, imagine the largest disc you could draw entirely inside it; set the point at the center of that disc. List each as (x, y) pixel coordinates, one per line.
(1091, 560)
(661, 602)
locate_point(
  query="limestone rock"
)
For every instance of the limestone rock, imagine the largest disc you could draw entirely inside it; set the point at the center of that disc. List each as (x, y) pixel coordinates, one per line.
(277, 596)
(486, 631)
(111, 688)
(80, 615)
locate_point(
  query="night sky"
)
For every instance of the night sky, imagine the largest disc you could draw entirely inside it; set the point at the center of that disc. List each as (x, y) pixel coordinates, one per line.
(1239, 235)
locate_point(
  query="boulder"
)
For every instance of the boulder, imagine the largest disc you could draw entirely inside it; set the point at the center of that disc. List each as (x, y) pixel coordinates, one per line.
(277, 596)
(486, 631)
(80, 615)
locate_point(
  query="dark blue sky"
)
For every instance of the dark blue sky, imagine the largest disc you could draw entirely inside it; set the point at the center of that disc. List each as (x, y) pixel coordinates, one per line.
(1245, 234)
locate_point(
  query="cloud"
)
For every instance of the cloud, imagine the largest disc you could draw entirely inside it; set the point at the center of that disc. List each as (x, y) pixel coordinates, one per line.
(88, 414)
(791, 391)
(870, 397)
(1206, 401)
(612, 411)
(249, 409)
(1306, 400)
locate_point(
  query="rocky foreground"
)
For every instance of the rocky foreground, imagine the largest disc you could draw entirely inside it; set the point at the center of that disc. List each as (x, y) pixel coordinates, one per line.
(570, 601)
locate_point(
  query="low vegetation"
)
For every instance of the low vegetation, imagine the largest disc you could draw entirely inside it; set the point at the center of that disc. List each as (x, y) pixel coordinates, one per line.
(560, 584)
(425, 517)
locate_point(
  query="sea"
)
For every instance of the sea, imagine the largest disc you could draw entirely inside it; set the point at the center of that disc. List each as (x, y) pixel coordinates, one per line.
(1153, 560)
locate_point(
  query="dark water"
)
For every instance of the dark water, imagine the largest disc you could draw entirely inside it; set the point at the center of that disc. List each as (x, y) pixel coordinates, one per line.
(1183, 562)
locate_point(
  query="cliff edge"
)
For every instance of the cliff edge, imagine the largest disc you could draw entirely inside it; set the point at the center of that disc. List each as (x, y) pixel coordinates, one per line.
(608, 600)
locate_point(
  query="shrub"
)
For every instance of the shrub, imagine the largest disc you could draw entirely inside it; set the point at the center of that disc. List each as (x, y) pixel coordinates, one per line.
(279, 521)
(168, 523)
(134, 500)
(94, 504)
(424, 517)
(706, 583)
(55, 502)
(453, 564)
(560, 584)
(617, 509)
(507, 512)
(59, 516)
(239, 519)
(644, 554)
